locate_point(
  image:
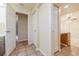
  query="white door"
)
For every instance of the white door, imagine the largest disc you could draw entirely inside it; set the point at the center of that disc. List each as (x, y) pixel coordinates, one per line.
(10, 38)
(56, 28)
(35, 28)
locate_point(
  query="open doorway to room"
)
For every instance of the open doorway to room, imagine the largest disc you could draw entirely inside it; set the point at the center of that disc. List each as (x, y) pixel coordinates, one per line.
(68, 25)
(21, 28)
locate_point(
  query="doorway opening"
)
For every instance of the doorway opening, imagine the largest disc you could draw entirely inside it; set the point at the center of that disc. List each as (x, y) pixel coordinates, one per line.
(68, 25)
(21, 28)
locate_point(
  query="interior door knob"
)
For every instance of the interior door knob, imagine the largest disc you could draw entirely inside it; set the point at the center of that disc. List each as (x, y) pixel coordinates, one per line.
(8, 31)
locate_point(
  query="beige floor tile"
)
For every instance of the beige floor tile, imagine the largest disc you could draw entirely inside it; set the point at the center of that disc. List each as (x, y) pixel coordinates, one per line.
(68, 51)
(23, 49)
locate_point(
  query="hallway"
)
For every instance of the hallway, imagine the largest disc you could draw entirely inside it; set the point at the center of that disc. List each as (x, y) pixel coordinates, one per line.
(38, 29)
(23, 49)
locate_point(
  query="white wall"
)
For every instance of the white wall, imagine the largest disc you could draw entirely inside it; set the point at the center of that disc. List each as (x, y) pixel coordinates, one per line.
(74, 29)
(44, 28)
(2, 20)
(71, 27)
(41, 24)
(35, 28)
(65, 25)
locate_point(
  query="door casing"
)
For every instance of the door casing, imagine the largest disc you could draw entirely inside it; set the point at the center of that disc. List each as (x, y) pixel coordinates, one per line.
(56, 29)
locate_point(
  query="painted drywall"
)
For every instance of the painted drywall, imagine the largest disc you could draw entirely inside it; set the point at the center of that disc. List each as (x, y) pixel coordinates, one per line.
(44, 28)
(10, 38)
(22, 27)
(41, 28)
(2, 20)
(64, 24)
(35, 28)
(75, 30)
(33, 20)
(72, 27)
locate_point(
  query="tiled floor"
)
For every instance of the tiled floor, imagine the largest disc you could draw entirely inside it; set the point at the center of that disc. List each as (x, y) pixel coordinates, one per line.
(23, 49)
(68, 51)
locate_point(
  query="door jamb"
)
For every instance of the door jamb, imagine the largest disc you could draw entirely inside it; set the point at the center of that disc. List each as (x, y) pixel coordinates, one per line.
(58, 28)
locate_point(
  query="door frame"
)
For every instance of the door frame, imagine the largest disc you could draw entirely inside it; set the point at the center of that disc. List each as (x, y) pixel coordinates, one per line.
(55, 5)
(18, 13)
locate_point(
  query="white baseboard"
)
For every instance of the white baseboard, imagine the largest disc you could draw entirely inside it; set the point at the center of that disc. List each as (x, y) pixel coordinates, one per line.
(41, 51)
(22, 40)
(38, 49)
(35, 45)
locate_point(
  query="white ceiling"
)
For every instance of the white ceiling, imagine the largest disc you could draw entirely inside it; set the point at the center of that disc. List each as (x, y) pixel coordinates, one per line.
(29, 6)
(73, 7)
